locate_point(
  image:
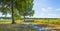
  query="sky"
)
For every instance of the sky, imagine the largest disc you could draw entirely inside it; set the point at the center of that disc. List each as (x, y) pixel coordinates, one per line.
(46, 9)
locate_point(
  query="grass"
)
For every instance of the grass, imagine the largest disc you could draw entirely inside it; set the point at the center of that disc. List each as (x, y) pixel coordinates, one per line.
(14, 27)
(5, 25)
(5, 21)
(9, 21)
(56, 22)
(47, 24)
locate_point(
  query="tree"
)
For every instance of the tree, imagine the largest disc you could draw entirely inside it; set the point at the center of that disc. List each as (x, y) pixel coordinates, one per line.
(4, 7)
(12, 12)
(25, 8)
(7, 4)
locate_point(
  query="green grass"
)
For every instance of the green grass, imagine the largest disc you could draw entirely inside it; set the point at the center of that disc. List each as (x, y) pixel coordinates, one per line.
(57, 22)
(5, 20)
(14, 27)
(9, 21)
(5, 25)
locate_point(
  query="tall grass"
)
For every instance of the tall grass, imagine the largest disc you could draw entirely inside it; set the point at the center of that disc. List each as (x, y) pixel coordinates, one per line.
(48, 21)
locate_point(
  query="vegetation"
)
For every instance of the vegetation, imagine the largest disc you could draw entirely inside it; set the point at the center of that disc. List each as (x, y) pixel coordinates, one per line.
(25, 8)
(55, 21)
(15, 27)
(16, 7)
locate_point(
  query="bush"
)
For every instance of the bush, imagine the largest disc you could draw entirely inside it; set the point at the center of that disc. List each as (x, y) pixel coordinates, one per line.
(29, 21)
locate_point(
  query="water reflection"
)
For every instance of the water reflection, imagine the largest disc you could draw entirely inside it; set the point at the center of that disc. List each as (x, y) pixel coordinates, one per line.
(37, 28)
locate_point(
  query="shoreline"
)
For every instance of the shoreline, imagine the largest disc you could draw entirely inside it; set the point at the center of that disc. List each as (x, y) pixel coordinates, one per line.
(48, 26)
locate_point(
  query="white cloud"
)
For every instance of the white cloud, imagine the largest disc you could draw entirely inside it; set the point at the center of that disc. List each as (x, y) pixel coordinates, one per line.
(49, 8)
(58, 9)
(53, 16)
(49, 12)
(43, 15)
(43, 9)
(44, 0)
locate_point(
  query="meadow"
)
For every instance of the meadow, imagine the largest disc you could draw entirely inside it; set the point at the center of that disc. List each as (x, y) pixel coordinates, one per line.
(56, 22)
(5, 25)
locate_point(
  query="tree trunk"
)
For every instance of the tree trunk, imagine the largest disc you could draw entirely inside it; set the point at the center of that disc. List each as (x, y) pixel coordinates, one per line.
(24, 17)
(6, 16)
(12, 12)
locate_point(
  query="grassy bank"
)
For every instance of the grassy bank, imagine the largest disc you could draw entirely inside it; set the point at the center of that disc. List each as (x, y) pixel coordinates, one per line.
(9, 21)
(57, 22)
(5, 25)
(14, 27)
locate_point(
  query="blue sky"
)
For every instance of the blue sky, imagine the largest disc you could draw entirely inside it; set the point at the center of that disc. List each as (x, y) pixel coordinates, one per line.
(47, 8)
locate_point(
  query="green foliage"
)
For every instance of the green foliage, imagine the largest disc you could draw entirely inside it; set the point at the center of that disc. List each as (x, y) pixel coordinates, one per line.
(17, 8)
(25, 7)
(29, 21)
(17, 17)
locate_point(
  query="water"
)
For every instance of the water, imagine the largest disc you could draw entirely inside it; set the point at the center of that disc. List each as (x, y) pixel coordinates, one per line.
(37, 28)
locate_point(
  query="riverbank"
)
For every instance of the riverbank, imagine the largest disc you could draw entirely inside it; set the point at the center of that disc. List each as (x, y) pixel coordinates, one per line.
(14, 27)
(48, 26)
